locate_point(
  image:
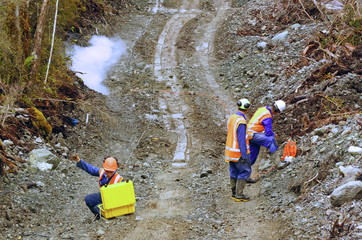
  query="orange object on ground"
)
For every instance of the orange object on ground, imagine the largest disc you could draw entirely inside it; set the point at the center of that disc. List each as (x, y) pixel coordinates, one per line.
(290, 149)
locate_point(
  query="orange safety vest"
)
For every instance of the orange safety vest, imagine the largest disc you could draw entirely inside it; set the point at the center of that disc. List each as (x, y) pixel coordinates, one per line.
(254, 125)
(115, 179)
(232, 150)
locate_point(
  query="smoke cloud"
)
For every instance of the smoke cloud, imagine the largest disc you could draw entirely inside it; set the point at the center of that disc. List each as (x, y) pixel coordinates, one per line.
(94, 61)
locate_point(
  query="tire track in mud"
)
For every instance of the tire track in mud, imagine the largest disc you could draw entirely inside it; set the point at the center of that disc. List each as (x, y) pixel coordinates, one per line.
(252, 223)
(165, 71)
(166, 214)
(205, 52)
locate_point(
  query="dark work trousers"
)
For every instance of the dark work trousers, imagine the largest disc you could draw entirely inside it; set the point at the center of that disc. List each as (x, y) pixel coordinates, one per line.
(259, 139)
(240, 169)
(93, 200)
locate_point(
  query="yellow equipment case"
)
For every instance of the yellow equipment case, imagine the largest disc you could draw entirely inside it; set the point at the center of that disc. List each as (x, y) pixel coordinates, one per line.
(117, 199)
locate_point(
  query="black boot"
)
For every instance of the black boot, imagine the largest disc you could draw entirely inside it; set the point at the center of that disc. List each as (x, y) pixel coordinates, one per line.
(233, 187)
(240, 196)
(251, 180)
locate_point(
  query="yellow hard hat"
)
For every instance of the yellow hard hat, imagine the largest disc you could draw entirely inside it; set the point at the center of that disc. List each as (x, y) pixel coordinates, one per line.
(243, 104)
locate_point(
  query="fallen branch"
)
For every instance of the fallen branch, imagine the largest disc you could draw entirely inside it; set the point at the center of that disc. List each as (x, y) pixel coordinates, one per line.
(346, 113)
(104, 21)
(306, 49)
(316, 4)
(300, 97)
(76, 102)
(296, 90)
(299, 102)
(328, 52)
(311, 179)
(300, 1)
(320, 111)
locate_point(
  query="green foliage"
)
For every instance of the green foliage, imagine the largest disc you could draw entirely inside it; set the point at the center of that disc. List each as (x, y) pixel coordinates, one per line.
(347, 27)
(17, 40)
(68, 15)
(26, 101)
(354, 21)
(11, 65)
(28, 61)
(332, 104)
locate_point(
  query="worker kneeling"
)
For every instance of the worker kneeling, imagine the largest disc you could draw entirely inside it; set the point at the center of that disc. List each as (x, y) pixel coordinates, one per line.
(107, 175)
(237, 151)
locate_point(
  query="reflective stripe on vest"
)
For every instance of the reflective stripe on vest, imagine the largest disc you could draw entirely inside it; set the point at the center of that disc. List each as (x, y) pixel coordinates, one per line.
(115, 179)
(232, 150)
(254, 125)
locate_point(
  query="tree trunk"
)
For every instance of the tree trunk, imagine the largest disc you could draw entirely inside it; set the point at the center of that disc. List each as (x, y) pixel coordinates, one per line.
(26, 30)
(38, 39)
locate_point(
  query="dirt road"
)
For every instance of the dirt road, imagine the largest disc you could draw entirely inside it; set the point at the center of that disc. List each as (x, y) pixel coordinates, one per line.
(165, 119)
(175, 210)
(187, 64)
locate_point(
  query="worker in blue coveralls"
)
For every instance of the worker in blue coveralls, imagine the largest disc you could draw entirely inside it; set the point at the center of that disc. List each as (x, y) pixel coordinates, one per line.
(237, 151)
(260, 133)
(107, 175)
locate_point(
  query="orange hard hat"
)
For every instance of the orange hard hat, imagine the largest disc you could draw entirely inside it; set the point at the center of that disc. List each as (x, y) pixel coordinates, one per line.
(110, 164)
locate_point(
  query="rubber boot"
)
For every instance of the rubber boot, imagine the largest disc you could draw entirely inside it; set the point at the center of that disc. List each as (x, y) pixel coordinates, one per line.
(275, 158)
(240, 196)
(251, 180)
(233, 187)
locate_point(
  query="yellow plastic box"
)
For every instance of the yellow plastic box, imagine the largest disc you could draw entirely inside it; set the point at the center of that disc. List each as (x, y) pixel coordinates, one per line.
(117, 199)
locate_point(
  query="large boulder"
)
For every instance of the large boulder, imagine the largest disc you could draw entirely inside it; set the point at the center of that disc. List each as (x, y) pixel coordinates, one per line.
(347, 192)
(43, 159)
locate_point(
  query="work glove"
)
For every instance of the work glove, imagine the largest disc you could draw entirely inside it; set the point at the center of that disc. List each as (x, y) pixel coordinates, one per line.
(243, 160)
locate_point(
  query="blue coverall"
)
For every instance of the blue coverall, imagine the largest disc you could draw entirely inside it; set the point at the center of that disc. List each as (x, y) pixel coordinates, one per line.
(266, 139)
(94, 199)
(242, 168)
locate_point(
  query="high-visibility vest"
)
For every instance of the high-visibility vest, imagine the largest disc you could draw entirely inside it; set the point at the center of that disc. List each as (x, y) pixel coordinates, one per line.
(254, 125)
(115, 179)
(232, 150)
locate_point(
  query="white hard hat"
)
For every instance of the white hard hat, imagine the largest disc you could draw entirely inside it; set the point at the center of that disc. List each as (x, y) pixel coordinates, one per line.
(280, 105)
(243, 104)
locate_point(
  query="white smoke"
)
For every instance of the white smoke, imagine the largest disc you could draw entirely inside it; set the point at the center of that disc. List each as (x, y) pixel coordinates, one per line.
(94, 61)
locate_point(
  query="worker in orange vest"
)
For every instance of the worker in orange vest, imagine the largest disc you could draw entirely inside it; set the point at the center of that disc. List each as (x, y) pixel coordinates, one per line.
(260, 132)
(107, 175)
(237, 151)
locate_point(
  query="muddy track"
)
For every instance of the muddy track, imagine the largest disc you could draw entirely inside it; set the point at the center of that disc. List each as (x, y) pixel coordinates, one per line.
(173, 200)
(165, 119)
(170, 213)
(168, 135)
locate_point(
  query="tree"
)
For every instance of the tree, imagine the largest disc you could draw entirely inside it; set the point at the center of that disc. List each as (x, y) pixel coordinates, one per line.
(38, 40)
